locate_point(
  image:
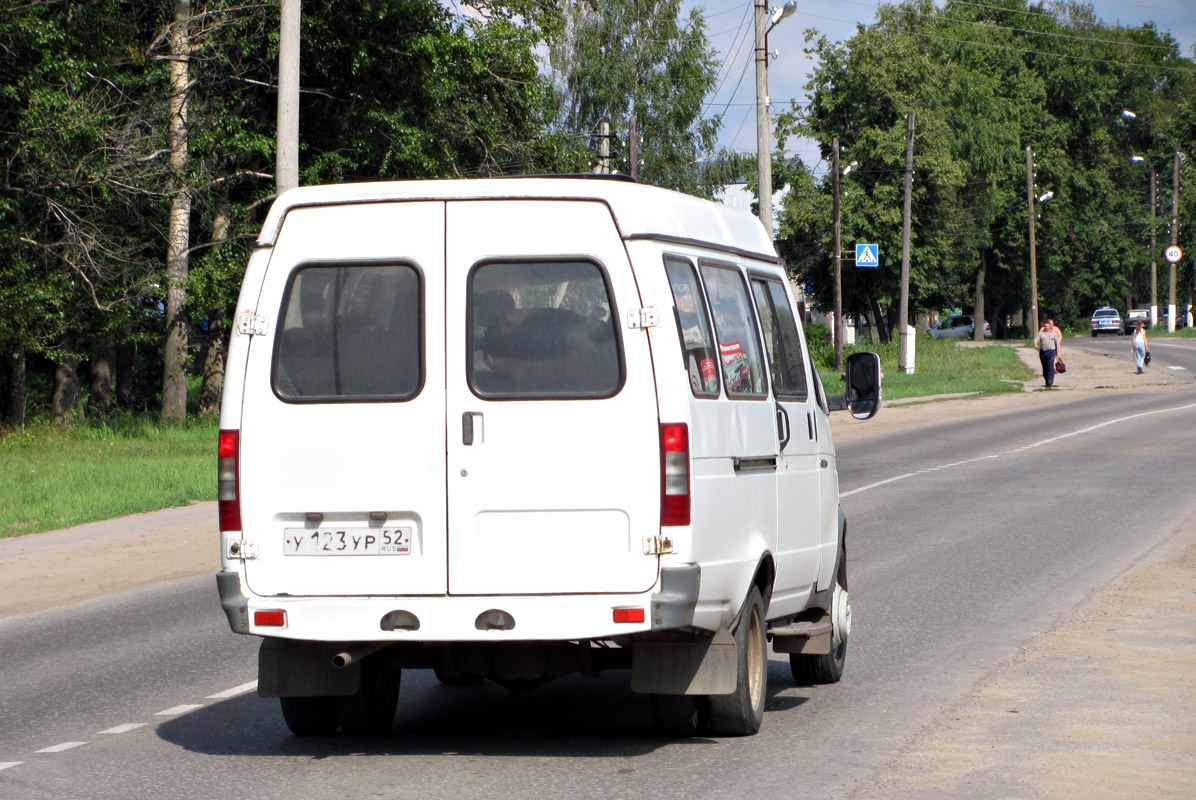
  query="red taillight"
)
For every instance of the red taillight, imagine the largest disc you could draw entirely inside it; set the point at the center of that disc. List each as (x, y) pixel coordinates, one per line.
(629, 614)
(674, 474)
(228, 487)
(270, 619)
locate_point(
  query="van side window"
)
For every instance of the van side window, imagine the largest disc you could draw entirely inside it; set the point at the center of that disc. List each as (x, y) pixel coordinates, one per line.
(780, 338)
(350, 333)
(738, 345)
(542, 330)
(693, 326)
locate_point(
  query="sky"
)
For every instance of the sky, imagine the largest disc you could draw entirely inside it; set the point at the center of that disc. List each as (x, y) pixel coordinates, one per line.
(730, 28)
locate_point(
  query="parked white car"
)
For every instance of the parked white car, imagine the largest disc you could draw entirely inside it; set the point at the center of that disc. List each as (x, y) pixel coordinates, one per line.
(512, 429)
(959, 326)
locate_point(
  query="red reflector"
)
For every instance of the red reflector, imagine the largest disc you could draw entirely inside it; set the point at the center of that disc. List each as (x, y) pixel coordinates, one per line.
(274, 619)
(629, 615)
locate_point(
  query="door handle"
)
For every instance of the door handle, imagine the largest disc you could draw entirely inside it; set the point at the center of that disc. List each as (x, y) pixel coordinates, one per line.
(471, 429)
(783, 429)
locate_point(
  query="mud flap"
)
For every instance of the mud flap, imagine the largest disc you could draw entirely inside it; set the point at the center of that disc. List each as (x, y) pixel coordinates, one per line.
(685, 665)
(303, 669)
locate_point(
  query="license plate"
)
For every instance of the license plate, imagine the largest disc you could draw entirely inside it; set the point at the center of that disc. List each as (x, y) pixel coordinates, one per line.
(347, 542)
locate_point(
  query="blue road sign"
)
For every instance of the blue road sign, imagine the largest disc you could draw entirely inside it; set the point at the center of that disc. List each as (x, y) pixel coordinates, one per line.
(867, 255)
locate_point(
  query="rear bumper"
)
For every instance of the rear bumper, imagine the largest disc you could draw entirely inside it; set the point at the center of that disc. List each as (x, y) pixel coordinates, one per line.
(667, 606)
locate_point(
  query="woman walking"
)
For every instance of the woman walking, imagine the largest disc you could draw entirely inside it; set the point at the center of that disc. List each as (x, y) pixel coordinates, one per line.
(1047, 340)
(1141, 347)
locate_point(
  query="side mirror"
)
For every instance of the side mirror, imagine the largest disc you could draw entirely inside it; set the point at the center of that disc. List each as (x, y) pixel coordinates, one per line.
(863, 385)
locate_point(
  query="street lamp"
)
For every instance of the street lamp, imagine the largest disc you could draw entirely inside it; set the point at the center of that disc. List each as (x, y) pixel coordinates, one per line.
(838, 246)
(1171, 308)
(765, 22)
(1154, 263)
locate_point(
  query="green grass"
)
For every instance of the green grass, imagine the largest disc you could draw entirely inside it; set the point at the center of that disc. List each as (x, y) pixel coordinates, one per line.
(941, 367)
(52, 477)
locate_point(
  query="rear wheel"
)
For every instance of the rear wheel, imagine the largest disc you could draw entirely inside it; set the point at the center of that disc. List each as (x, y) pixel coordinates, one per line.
(680, 716)
(310, 716)
(372, 710)
(741, 712)
(825, 668)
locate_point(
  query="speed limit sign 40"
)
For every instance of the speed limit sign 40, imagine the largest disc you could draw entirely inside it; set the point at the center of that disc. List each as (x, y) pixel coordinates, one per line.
(1173, 253)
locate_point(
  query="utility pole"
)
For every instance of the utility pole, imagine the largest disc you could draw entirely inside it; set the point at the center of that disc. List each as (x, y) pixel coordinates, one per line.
(838, 246)
(1174, 242)
(286, 156)
(634, 150)
(603, 165)
(1154, 255)
(905, 338)
(1033, 265)
(763, 134)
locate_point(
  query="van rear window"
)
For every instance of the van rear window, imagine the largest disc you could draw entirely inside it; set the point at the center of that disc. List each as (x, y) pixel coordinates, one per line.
(350, 333)
(540, 330)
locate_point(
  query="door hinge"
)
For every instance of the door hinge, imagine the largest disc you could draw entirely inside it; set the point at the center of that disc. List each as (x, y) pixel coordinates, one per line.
(252, 324)
(658, 545)
(643, 317)
(245, 549)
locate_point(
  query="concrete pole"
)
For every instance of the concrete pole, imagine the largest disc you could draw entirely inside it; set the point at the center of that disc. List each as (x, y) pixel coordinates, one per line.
(1033, 265)
(286, 159)
(1154, 247)
(905, 339)
(763, 134)
(1174, 242)
(633, 147)
(838, 247)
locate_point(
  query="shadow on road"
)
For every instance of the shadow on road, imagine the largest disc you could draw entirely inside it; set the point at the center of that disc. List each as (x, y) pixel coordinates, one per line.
(570, 718)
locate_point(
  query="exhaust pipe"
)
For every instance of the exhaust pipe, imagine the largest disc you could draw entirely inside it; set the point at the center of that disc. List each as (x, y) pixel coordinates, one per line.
(356, 653)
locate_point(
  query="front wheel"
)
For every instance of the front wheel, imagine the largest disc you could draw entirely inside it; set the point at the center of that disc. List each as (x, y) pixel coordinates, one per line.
(741, 712)
(811, 669)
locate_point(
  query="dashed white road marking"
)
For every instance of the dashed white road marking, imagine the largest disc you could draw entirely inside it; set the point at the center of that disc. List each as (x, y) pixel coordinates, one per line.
(1016, 450)
(179, 710)
(7, 764)
(125, 728)
(58, 748)
(233, 692)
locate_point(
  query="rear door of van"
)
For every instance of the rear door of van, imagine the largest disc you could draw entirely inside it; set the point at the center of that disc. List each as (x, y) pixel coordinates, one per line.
(342, 461)
(553, 468)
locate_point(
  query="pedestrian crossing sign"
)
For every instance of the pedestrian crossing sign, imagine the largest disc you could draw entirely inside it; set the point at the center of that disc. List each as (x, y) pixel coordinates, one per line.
(867, 255)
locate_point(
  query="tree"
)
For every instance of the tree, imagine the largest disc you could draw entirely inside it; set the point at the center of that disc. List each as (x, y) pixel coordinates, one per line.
(619, 58)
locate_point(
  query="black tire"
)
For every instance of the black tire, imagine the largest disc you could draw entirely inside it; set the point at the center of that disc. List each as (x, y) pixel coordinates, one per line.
(371, 711)
(680, 716)
(741, 712)
(310, 716)
(813, 670)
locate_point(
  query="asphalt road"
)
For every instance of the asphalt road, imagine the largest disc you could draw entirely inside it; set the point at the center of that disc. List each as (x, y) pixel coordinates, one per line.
(966, 540)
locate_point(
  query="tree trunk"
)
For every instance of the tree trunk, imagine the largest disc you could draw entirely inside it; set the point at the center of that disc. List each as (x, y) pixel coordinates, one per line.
(99, 399)
(213, 365)
(67, 401)
(217, 344)
(126, 354)
(14, 370)
(978, 311)
(882, 322)
(174, 378)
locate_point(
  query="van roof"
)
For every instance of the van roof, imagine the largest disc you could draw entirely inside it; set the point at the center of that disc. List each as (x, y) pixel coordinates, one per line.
(640, 211)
